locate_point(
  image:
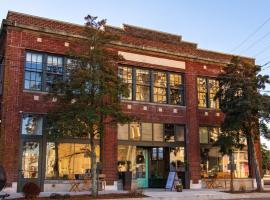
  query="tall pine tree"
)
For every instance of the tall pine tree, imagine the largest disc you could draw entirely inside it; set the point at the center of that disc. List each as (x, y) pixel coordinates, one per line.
(246, 109)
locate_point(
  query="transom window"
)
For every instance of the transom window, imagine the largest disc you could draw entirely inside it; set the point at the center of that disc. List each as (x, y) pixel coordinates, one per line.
(208, 135)
(153, 86)
(151, 132)
(32, 124)
(42, 71)
(207, 89)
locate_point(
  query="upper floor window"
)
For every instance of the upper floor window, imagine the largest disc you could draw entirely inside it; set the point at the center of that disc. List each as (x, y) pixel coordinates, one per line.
(142, 85)
(153, 86)
(160, 86)
(176, 89)
(207, 88)
(55, 70)
(125, 73)
(33, 71)
(42, 71)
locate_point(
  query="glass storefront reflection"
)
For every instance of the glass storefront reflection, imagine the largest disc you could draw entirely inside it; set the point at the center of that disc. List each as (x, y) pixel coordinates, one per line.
(216, 165)
(68, 160)
(30, 159)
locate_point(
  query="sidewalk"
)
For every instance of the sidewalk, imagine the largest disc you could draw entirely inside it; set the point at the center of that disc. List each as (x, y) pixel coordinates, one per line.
(200, 194)
(161, 194)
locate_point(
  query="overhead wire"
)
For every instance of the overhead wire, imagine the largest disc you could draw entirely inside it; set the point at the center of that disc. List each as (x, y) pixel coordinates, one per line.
(251, 35)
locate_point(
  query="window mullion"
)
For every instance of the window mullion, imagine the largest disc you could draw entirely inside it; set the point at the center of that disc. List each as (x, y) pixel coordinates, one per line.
(44, 71)
(168, 90)
(151, 86)
(133, 83)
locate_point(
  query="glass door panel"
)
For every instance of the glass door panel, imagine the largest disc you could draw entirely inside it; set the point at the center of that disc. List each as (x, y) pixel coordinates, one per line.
(30, 158)
(30, 167)
(142, 168)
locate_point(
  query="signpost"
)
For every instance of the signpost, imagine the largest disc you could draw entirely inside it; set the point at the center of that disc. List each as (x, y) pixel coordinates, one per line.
(172, 180)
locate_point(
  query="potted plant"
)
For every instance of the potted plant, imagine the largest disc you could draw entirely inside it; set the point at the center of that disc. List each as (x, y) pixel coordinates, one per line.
(179, 187)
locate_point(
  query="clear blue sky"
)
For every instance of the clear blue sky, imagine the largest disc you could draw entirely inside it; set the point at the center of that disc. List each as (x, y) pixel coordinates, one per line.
(218, 25)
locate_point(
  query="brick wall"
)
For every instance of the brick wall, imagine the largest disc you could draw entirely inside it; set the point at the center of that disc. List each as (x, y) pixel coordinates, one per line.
(54, 34)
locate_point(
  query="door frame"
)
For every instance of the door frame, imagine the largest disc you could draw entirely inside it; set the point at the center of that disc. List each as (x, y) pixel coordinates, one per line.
(144, 182)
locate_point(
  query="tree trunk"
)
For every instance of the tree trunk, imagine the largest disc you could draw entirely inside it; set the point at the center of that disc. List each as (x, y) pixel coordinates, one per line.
(232, 171)
(256, 166)
(250, 158)
(94, 169)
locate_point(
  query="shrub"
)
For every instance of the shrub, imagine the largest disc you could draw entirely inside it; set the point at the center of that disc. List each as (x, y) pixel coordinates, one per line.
(30, 190)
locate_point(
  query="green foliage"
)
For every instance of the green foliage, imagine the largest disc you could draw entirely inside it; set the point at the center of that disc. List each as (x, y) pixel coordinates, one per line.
(246, 110)
(241, 100)
(265, 158)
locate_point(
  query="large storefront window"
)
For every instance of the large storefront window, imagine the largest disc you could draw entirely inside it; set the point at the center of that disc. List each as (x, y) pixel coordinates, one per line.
(68, 160)
(213, 164)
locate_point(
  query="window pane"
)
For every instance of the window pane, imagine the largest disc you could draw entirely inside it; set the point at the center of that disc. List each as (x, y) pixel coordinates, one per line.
(179, 133)
(122, 132)
(202, 92)
(160, 85)
(126, 158)
(159, 79)
(213, 88)
(168, 132)
(154, 154)
(30, 158)
(135, 131)
(32, 125)
(158, 132)
(160, 153)
(160, 95)
(33, 71)
(142, 85)
(147, 131)
(203, 131)
(55, 71)
(142, 93)
(125, 73)
(213, 134)
(73, 160)
(51, 163)
(177, 159)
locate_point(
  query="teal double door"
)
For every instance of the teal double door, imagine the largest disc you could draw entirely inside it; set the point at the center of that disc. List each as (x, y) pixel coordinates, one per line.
(142, 164)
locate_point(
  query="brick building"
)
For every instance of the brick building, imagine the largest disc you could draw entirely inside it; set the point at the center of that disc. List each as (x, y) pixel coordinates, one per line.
(172, 84)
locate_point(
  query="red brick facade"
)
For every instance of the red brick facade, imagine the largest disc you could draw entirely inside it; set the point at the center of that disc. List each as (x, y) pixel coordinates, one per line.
(20, 33)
